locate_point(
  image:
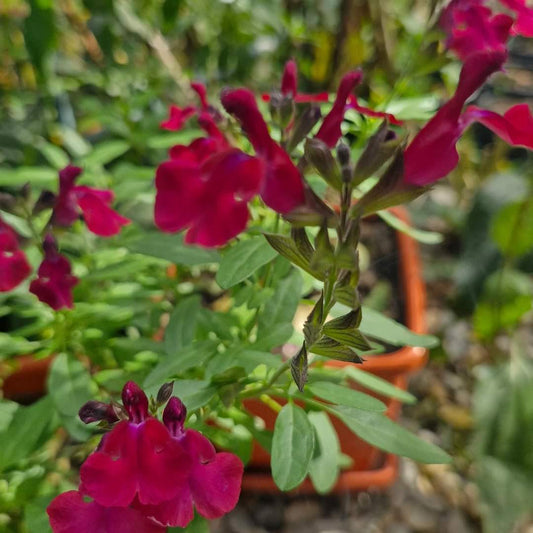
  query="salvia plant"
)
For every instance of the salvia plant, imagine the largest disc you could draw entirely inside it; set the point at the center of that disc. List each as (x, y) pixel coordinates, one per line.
(284, 203)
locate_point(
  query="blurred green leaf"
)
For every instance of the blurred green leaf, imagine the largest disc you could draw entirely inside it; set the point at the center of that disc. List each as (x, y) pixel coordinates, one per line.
(181, 327)
(512, 228)
(343, 395)
(105, 152)
(387, 435)
(242, 260)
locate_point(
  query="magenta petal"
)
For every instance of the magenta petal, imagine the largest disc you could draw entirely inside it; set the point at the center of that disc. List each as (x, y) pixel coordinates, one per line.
(98, 216)
(432, 153)
(14, 269)
(330, 130)
(354, 104)
(54, 283)
(289, 81)
(201, 91)
(179, 194)
(163, 464)
(177, 118)
(110, 475)
(215, 479)
(65, 207)
(135, 402)
(241, 104)
(283, 188)
(69, 513)
(177, 512)
(524, 21)
(209, 230)
(515, 127)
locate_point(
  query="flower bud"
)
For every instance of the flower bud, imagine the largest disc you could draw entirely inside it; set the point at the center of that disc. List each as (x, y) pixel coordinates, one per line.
(174, 416)
(319, 155)
(303, 124)
(281, 109)
(94, 411)
(164, 393)
(135, 402)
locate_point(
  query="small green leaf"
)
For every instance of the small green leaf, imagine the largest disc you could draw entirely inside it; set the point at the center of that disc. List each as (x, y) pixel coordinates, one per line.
(24, 433)
(182, 324)
(426, 237)
(385, 434)
(242, 260)
(379, 385)
(292, 447)
(287, 248)
(329, 347)
(69, 385)
(383, 328)
(56, 156)
(171, 248)
(324, 467)
(299, 368)
(194, 355)
(512, 229)
(105, 152)
(342, 395)
(7, 412)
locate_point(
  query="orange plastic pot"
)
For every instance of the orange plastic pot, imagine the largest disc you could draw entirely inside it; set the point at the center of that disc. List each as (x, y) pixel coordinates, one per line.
(371, 468)
(25, 381)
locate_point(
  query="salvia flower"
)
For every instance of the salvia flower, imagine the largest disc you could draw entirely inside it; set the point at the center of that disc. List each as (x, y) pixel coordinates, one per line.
(282, 188)
(93, 204)
(178, 116)
(214, 480)
(14, 267)
(54, 281)
(146, 475)
(524, 17)
(70, 512)
(136, 459)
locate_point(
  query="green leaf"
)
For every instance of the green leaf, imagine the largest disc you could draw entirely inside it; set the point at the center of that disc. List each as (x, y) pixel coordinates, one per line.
(35, 517)
(331, 392)
(344, 330)
(292, 447)
(182, 324)
(198, 525)
(512, 229)
(40, 32)
(171, 248)
(273, 338)
(426, 237)
(69, 385)
(56, 156)
(324, 467)
(242, 260)
(329, 347)
(280, 309)
(288, 248)
(7, 412)
(385, 434)
(383, 328)
(105, 152)
(24, 433)
(195, 355)
(379, 385)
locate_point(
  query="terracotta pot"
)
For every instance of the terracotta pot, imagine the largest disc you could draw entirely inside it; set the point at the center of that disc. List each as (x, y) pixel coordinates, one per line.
(371, 467)
(25, 381)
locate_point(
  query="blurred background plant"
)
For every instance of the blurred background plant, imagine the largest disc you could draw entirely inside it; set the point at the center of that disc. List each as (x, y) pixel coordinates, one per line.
(90, 81)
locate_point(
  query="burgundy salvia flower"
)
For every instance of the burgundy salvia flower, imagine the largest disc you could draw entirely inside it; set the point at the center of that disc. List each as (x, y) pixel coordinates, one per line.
(70, 513)
(515, 127)
(432, 153)
(524, 17)
(207, 196)
(330, 130)
(138, 458)
(92, 203)
(214, 480)
(14, 267)
(289, 80)
(178, 116)
(282, 188)
(55, 281)
(472, 27)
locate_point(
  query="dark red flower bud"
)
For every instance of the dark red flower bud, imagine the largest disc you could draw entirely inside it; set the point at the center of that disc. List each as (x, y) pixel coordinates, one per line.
(164, 393)
(94, 411)
(289, 82)
(135, 402)
(174, 416)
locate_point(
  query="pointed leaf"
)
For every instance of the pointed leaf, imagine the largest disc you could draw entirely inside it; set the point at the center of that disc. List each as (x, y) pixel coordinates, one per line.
(329, 347)
(343, 395)
(299, 368)
(182, 324)
(292, 447)
(242, 260)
